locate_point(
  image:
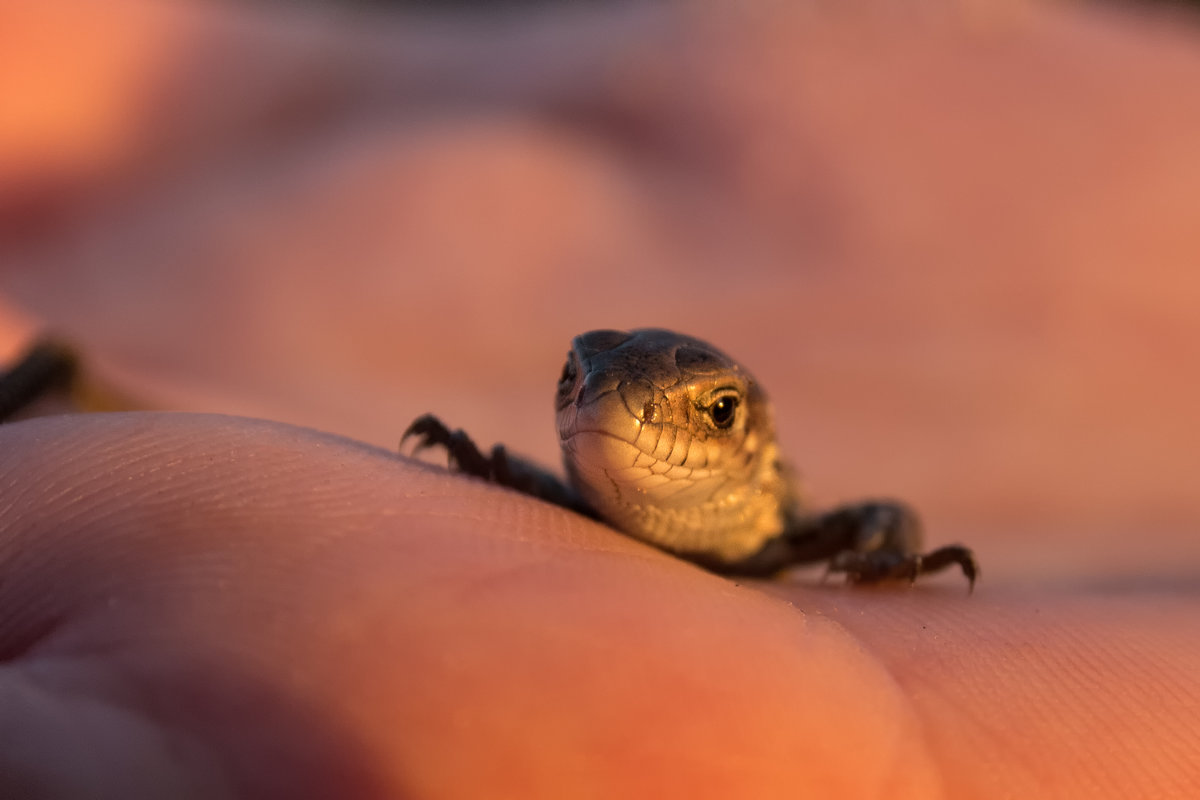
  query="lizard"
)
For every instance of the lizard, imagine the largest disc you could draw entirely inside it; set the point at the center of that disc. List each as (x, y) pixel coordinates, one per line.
(669, 440)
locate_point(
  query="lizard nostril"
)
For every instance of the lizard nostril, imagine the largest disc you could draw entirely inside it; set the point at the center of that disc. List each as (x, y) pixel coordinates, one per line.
(568, 383)
(639, 398)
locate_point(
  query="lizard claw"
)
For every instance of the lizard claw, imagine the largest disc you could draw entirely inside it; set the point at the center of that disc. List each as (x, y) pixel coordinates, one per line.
(462, 453)
(879, 565)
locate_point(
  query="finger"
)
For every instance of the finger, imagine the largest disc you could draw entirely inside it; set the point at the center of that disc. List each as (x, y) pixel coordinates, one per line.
(304, 612)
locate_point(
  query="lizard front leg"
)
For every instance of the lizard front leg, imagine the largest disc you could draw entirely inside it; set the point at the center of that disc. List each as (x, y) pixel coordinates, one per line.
(880, 540)
(869, 542)
(500, 467)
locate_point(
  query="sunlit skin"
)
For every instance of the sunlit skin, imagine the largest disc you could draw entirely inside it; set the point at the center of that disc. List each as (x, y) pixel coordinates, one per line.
(927, 251)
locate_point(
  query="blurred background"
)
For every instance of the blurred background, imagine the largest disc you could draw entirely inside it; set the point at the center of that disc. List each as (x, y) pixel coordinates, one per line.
(957, 242)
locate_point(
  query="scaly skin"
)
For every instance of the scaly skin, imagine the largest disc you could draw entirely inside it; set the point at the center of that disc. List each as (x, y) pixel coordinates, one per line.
(669, 440)
(635, 420)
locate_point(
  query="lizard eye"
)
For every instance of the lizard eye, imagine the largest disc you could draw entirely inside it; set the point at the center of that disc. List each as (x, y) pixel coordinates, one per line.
(723, 411)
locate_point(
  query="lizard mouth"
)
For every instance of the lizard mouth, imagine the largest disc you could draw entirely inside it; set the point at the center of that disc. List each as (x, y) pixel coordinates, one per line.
(649, 434)
(634, 441)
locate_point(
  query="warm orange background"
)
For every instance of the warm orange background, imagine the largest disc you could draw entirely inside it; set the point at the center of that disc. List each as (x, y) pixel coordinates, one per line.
(958, 246)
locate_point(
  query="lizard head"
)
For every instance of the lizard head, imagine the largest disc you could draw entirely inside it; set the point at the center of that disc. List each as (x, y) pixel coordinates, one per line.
(670, 439)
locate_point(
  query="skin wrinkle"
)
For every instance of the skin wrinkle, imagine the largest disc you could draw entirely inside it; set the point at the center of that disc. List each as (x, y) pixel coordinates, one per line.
(904, 738)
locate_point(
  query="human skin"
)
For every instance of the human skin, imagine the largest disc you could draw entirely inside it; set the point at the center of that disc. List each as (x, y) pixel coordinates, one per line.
(963, 269)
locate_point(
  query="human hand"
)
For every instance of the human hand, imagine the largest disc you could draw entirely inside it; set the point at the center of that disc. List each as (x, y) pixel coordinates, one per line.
(304, 612)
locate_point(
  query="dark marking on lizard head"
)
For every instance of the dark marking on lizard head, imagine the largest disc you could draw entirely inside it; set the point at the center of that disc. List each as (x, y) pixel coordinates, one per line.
(587, 345)
(690, 358)
(662, 376)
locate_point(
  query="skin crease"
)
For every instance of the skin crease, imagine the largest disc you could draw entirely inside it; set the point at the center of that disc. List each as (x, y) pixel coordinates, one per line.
(925, 257)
